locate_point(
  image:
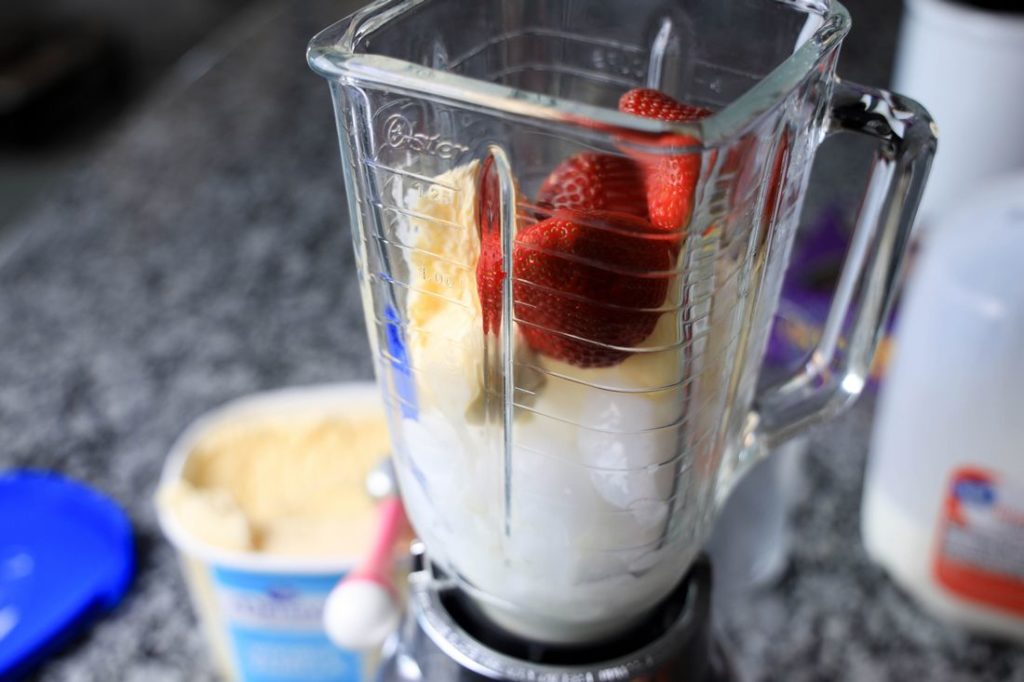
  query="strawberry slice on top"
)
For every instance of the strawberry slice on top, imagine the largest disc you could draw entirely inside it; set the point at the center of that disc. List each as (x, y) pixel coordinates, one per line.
(655, 104)
(588, 285)
(669, 180)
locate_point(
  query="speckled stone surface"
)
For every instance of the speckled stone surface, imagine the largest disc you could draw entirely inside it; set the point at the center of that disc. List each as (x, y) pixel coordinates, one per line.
(205, 255)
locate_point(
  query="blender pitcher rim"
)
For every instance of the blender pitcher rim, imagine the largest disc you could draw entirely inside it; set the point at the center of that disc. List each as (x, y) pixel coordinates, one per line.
(332, 55)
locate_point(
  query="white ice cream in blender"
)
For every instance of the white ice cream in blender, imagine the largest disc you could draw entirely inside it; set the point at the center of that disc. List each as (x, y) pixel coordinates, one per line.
(572, 552)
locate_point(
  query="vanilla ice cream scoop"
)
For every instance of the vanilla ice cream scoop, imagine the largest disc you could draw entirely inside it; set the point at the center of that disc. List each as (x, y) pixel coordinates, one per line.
(286, 484)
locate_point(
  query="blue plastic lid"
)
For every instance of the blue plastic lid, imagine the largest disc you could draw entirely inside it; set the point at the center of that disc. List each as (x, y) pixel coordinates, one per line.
(66, 557)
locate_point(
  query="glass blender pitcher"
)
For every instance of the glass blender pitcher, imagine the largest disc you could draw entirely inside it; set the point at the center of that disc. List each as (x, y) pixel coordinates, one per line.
(571, 391)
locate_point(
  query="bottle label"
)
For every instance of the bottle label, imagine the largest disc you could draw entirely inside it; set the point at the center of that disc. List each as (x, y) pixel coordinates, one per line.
(980, 551)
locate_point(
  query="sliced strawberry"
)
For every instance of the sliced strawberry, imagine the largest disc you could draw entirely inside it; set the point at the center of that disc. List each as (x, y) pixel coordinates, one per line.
(588, 280)
(590, 181)
(651, 103)
(779, 168)
(670, 181)
(490, 271)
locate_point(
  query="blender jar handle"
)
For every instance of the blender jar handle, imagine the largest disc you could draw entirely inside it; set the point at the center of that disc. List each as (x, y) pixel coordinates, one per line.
(830, 380)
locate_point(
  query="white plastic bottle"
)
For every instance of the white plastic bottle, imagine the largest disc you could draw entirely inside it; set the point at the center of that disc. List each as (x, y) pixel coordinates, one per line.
(963, 59)
(943, 507)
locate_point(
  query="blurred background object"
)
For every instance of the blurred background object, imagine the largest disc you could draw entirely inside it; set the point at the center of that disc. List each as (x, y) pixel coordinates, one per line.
(944, 495)
(942, 509)
(48, 523)
(265, 500)
(70, 68)
(965, 58)
(752, 537)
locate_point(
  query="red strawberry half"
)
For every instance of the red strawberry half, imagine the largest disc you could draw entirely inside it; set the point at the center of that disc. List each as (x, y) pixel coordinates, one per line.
(585, 281)
(590, 181)
(670, 181)
(490, 273)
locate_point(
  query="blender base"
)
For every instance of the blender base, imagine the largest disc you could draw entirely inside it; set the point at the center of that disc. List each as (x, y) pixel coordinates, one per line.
(443, 639)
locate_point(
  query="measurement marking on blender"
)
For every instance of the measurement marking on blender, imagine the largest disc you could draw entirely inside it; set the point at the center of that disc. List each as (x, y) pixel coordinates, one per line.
(610, 389)
(530, 32)
(415, 332)
(719, 286)
(578, 38)
(412, 332)
(720, 195)
(437, 277)
(684, 455)
(601, 267)
(653, 547)
(661, 310)
(373, 163)
(457, 62)
(523, 390)
(398, 401)
(655, 510)
(705, 334)
(700, 259)
(701, 300)
(391, 360)
(598, 344)
(676, 423)
(654, 506)
(411, 287)
(418, 216)
(619, 554)
(648, 467)
(710, 73)
(569, 500)
(562, 70)
(413, 190)
(450, 358)
(682, 423)
(703, 269)
(451, 363)
(420, 251)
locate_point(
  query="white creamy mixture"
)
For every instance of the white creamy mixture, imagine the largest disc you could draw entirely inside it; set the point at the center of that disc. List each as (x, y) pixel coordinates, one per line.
(580, 551)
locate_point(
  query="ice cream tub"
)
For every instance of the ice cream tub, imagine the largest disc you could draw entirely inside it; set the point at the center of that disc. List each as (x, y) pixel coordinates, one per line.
(263, 499)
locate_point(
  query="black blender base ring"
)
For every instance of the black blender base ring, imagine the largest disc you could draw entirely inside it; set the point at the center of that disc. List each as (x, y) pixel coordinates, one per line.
(446, 639)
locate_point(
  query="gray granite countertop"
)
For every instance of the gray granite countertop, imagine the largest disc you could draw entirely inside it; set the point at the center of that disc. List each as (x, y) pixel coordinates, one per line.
(204, 255)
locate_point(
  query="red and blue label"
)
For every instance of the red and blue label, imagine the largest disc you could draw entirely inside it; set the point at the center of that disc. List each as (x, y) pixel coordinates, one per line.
(980, 550)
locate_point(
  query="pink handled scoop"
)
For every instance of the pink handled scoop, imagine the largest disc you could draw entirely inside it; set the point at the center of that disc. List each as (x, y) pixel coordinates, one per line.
(362, 609)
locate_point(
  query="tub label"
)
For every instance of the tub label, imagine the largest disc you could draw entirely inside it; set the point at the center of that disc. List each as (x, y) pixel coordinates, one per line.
(275, 627)
(980, 550)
